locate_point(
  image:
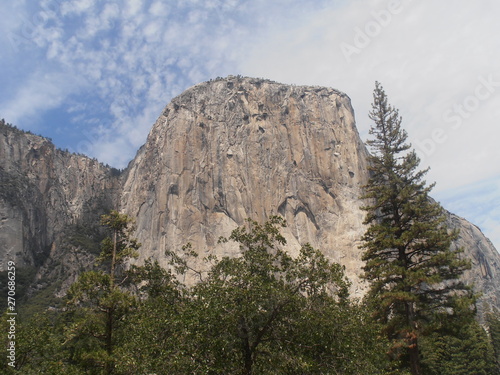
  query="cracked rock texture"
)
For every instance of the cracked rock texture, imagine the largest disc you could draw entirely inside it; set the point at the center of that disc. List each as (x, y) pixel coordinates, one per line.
(222, 151)
(231, 149)
(43, 193)
(234, 148)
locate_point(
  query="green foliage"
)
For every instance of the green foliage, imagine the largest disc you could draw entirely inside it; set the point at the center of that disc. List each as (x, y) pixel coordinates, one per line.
(97, 305)
(155, 334)
(268, 313)
(262, 312)
(96, 310)
(468, 351)
(114, 171)
(24, 277)
(414, 272)
(39, 346)
(493, 322)
(41, 300)
(120, 245)
(85, 237)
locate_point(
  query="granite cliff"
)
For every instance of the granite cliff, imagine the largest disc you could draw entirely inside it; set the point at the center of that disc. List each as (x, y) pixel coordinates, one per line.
(220, 152)
(236, 148)
(47, 197)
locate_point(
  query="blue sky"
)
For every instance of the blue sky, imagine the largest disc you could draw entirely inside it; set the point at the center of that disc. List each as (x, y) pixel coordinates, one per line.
(94, 75)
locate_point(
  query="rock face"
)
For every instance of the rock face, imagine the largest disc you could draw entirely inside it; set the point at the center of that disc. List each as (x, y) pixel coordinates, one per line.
(485, 272)
(44, 193)
(238, 147)
(231, 149)
(220, 152)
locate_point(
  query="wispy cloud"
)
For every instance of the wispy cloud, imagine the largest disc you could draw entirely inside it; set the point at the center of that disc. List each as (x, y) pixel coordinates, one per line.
(132, 58)
(40, 92)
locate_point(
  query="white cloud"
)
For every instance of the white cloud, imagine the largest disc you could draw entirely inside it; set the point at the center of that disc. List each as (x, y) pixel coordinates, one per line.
(133, 7)
(76, 6)
(102, 21)
(158, 8)
(39, 93)
(478, 203)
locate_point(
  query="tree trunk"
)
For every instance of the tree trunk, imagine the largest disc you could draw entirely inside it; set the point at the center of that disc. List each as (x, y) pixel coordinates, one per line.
(248, 364)
(113, 259)
(412, 339)
(247, 349)
(414, 357)
(109, 341)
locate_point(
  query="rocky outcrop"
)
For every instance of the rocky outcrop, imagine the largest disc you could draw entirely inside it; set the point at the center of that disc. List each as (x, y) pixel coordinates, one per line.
(231, 149)
(222, 151)
(485, 260)
(44, 193)
(239, 147)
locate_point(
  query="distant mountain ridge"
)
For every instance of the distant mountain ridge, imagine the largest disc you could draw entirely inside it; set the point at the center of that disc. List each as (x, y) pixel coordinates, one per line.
(222, 151)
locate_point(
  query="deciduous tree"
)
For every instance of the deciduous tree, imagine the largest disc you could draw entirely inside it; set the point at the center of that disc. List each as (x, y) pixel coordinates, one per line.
(266, 312)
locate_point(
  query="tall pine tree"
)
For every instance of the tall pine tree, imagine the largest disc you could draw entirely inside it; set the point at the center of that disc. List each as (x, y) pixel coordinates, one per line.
(97, 304)
(414, 272)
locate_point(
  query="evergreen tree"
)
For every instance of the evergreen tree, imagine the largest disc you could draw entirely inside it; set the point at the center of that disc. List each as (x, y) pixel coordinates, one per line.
(97, 302)
(414, 272)
(465, 351)
(120, 245)
(493, 322)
